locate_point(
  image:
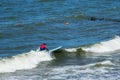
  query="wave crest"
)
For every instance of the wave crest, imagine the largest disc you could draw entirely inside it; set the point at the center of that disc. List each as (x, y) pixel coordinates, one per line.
(23, 61)
(106, 46)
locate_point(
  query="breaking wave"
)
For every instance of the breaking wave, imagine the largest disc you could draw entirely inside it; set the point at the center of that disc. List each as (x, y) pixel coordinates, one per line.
(106, 46)
(75, 71)
(23, 61)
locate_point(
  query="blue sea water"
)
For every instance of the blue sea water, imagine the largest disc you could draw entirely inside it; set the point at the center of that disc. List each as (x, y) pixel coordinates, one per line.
(89, 25)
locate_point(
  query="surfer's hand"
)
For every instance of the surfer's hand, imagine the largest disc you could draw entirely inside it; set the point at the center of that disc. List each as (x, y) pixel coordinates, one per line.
(47, 49)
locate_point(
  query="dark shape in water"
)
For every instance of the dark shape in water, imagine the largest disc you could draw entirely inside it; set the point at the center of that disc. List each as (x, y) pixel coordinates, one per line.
(106, 19)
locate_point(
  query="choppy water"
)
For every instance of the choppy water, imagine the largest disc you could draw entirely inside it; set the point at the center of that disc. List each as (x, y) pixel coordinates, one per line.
(90, 40)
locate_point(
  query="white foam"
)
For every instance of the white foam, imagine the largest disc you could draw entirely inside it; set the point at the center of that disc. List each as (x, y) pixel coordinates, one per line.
(107, 62)
(75, 71)
(106, 46)
(67, 72)
(71, 49)
(23, 61)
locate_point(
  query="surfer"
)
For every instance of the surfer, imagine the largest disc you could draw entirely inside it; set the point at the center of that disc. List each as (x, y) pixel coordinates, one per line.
(43, 47)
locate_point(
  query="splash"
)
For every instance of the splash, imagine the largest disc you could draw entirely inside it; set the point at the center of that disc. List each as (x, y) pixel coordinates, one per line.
(106, 46)
(23, 61)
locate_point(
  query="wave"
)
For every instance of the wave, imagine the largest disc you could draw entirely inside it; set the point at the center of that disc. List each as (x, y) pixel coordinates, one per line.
(105, 46)
(74, 51)
(109, 46)
(83, 69)
(23, 61)
(71, 49)
(105, 63)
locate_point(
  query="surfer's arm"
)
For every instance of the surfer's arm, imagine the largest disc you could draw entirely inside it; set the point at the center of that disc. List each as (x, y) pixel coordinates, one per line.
(47, 49)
